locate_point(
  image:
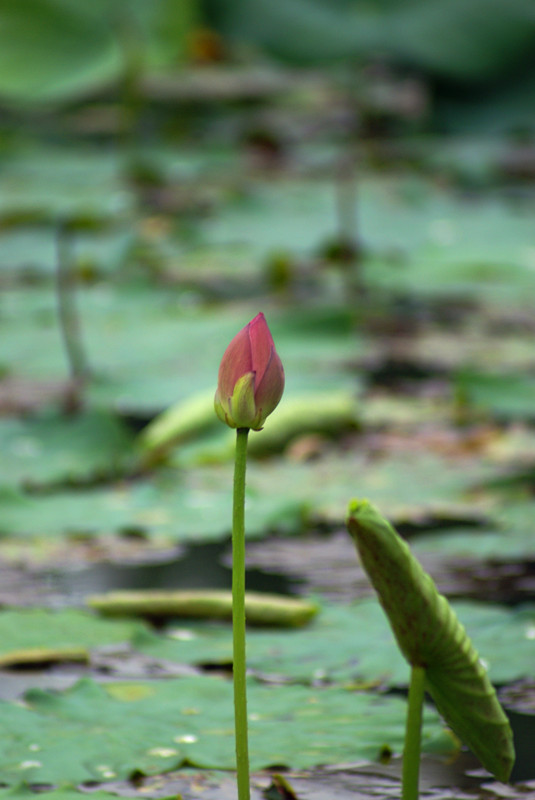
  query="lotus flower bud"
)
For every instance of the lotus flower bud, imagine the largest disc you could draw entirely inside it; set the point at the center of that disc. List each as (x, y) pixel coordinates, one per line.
(251, 378)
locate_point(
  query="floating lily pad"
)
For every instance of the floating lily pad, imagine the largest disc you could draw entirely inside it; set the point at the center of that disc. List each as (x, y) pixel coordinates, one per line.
(149, 350)
(419, 238)
(461, 545)
(24, 792)
(182, 505)
(41, 186)
(34, 635)
(63, 449)
(505, 396)
(50, 52)
(344, 644)
(350, 644)
(94, 733)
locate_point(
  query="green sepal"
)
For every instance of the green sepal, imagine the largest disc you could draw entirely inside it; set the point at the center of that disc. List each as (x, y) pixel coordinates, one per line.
(430, 636)
(242, 403)
(239, 411)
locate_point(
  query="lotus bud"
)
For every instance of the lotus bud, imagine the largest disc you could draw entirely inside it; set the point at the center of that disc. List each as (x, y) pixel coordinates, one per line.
(251, 378)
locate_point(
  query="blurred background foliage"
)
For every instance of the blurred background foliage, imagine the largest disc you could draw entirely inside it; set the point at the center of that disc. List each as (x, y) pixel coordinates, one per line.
(362, 170)
(474, 57)
(363, 173)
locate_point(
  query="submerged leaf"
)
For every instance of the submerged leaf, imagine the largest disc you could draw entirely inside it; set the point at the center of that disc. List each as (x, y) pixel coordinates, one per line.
(430, 635)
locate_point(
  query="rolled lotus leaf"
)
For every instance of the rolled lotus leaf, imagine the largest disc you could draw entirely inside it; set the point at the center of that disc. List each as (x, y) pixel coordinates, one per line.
(179, 423)
(260, 608)
(430, 635)
(327, 413)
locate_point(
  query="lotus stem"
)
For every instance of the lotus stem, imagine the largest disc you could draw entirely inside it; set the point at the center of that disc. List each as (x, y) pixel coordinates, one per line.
(238, 615)
(69, 320)
(413, 735)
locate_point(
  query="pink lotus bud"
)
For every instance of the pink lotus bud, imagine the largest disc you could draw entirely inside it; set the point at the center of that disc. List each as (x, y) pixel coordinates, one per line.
(251, 378)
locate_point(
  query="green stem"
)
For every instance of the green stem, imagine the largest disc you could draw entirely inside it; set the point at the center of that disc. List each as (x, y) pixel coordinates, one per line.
(69, 320)
(413, 735)
(238, 615)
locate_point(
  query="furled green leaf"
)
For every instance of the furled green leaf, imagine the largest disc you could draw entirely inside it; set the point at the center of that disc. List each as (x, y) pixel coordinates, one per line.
(430, 636)
(261, 608)
(177, 424)
(312, 412)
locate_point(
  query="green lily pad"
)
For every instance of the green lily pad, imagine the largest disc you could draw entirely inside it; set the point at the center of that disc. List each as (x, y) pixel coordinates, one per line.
(348, 644)
(474, 543)
(505, 396)
(36, 635)
(165, 512)
(446, 245)
(411, 486)
(343, 644)
(24, 792)
(509, 538)
(354, 643)
(94, 733)
(182, 505)
(61, 449)
(50, 52)
(148, 350)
